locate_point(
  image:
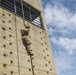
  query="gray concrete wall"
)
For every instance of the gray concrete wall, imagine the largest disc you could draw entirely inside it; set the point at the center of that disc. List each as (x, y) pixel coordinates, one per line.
(13, 55)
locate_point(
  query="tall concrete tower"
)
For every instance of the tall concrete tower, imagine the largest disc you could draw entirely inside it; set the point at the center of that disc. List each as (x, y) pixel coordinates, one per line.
(24, 44)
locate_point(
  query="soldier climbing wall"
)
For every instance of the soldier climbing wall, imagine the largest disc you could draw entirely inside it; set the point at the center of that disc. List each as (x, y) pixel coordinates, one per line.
(24, 44)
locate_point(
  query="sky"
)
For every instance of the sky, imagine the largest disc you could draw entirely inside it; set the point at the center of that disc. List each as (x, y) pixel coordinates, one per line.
(60, 16)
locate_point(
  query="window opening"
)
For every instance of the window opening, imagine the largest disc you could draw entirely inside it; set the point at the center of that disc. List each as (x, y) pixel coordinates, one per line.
(31, 14)
(26, 12)
(8, 4)
(18, 9)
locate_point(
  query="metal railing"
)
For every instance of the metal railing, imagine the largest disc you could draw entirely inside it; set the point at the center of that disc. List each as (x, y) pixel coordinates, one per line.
(7, 5)
(10, 6)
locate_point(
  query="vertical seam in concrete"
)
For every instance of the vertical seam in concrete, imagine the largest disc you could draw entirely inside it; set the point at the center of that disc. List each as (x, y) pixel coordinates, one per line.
(0, 3)
(16, 38)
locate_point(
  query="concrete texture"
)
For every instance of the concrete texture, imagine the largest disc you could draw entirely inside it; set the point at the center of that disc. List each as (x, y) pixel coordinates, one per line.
(14, 59)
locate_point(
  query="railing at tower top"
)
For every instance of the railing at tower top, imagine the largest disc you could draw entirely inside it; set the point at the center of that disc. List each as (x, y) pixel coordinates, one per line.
(8, 5)
(35, 15)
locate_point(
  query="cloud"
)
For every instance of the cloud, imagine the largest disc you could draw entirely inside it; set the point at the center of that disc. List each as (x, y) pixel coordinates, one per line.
(61, 20)
(66, 43)
(64, 63)
(64, 55)
(54, 14)
(61, 24)
(59, 15)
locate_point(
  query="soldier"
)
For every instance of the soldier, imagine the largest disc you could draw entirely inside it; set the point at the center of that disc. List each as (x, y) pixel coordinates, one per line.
(26, 41)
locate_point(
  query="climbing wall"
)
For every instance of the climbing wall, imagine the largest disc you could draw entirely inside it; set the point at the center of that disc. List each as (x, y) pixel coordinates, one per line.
(24, 47)
(24, 58)
(8, 46)
(42, 60)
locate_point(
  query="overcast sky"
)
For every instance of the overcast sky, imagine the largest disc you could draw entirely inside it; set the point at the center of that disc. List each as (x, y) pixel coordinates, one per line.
(60, 18)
